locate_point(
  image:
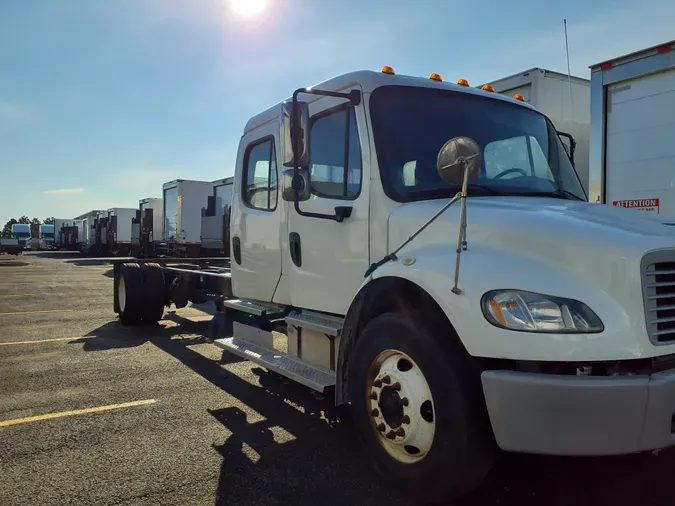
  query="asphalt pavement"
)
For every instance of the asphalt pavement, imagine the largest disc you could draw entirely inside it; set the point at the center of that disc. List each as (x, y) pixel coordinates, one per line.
(95, 413)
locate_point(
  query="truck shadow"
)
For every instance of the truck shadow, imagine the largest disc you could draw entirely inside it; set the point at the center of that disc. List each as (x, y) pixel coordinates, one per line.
(303, 450)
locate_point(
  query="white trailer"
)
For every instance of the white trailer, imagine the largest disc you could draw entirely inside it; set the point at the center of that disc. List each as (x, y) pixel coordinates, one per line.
(86, 234)
(549, 92)
(60, 224)
(119, 230)
(215, 236)
(183, 200)
(632, 157)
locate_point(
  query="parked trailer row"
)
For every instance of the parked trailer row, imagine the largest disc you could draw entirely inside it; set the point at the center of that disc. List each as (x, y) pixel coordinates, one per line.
(410, 255)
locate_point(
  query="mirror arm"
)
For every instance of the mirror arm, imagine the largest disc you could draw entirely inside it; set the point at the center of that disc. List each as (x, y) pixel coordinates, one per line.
(354, 97)
(573, 144)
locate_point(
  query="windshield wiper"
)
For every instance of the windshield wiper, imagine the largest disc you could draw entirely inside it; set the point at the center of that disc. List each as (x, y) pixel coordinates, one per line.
(559, 194)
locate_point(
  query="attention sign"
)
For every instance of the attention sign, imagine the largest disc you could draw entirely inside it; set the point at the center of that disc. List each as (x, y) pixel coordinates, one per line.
(649, 205)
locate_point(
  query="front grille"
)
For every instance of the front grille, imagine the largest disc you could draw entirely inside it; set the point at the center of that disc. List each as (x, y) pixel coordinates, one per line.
(658, 285)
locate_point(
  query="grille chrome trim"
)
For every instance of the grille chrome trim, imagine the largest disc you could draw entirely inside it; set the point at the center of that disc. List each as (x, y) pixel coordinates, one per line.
(658, 290)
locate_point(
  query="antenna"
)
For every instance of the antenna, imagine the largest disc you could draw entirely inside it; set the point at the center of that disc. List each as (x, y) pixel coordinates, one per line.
(569, 79)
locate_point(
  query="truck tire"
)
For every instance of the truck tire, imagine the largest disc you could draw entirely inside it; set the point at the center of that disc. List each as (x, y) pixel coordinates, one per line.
(418, 408)
(153, 280)
(130, 294)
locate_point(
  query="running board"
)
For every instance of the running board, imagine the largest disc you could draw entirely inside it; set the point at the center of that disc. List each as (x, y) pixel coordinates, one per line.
(326, 324)
(254, 307)
(313, 377)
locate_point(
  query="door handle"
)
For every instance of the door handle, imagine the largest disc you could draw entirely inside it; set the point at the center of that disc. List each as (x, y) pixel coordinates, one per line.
(236, 246)
(294, 245)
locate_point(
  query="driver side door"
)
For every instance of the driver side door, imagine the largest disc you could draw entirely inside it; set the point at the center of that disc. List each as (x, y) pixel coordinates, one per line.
(333, 256)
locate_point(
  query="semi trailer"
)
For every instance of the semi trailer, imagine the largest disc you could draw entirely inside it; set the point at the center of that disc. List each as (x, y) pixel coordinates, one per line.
(147, 226)
(118, 230)
(183, 200)
(215, 227)
(565, 100)
(395, 244)
(632, 157)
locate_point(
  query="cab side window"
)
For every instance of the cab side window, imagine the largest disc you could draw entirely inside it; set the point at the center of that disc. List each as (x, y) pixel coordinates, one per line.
(335, 155)
(260, 176)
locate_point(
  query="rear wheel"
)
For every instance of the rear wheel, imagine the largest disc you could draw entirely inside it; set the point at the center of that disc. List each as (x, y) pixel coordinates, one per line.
(130, 294)
(418, 407)
(155, 292)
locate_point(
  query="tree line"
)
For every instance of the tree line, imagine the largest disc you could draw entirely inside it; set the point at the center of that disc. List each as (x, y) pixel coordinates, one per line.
(34, 224)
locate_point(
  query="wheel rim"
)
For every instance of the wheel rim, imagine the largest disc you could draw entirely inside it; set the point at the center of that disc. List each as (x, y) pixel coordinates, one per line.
(121, 294)
(401, 407)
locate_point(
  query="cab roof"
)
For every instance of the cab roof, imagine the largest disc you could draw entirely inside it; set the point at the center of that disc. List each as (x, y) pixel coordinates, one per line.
(370, 80)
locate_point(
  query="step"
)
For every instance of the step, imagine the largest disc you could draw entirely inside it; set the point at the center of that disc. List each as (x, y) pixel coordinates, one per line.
(256, 308)
(313, 377)
(328, 324)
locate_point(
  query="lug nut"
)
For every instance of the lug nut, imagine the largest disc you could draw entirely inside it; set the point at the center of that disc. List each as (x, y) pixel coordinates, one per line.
(386, 380)
(391, 435)
(405, 419)
(377, 384)
(404, 401)
(400, 432)
(381, 427)
(396, 386)
(373, 396)
(375, 412)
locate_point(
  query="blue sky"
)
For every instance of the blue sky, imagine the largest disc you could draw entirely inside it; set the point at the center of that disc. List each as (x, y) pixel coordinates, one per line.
(103, 101)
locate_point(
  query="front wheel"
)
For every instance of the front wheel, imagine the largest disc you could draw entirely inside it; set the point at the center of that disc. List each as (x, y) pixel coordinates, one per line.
(418, 407)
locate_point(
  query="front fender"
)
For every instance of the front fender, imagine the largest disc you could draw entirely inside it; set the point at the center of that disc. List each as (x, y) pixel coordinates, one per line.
(484, 268)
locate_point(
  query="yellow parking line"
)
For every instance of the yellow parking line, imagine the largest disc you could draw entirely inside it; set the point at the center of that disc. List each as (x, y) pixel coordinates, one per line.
(42, 311)
(46, 340)
(86, 411)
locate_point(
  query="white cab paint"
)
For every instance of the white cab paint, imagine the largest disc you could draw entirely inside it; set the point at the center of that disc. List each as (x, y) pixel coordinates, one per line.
(556, 247)
(335, 255)
(259, 231)
(559, 247)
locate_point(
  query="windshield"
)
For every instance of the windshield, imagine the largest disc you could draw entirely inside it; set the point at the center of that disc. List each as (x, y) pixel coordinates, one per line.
(522, 153)
(22, 235)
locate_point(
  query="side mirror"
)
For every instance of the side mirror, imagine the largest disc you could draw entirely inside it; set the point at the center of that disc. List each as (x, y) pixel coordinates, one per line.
(455, 156)
(572, 147)
(301, 182)
(288, 123)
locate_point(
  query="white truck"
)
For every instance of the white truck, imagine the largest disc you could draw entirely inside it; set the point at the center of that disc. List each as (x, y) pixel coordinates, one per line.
(86, 234)
(21, 231)
(147, 225)
(182, 210)
(549, 92)
(46, 237)
(215, 239)
(632, 158)
(395, 243)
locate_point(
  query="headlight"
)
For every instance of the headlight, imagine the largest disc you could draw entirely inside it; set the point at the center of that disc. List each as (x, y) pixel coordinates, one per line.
(534, 312)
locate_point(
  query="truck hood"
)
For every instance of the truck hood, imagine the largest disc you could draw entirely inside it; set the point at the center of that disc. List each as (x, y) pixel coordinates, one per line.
(536, 225)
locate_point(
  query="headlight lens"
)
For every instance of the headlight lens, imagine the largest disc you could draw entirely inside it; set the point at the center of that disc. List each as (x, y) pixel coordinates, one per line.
(534, 312)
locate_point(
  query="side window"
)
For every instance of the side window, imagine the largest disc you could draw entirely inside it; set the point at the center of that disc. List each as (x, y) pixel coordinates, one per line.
(260, 176)
(335, 164)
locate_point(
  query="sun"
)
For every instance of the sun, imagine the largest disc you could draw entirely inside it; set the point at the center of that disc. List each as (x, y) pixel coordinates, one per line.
(248, 8)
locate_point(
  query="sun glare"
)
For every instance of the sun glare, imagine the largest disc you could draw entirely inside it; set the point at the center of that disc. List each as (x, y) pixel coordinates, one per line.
(248, 8)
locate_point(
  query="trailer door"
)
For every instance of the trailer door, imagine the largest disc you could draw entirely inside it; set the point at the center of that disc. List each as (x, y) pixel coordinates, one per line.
(640, 152)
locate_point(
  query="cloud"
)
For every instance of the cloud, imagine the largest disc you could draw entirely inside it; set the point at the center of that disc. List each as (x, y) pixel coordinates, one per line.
(64, 191)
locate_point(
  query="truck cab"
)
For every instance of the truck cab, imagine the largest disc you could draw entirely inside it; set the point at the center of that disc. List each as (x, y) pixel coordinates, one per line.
(428, 253)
